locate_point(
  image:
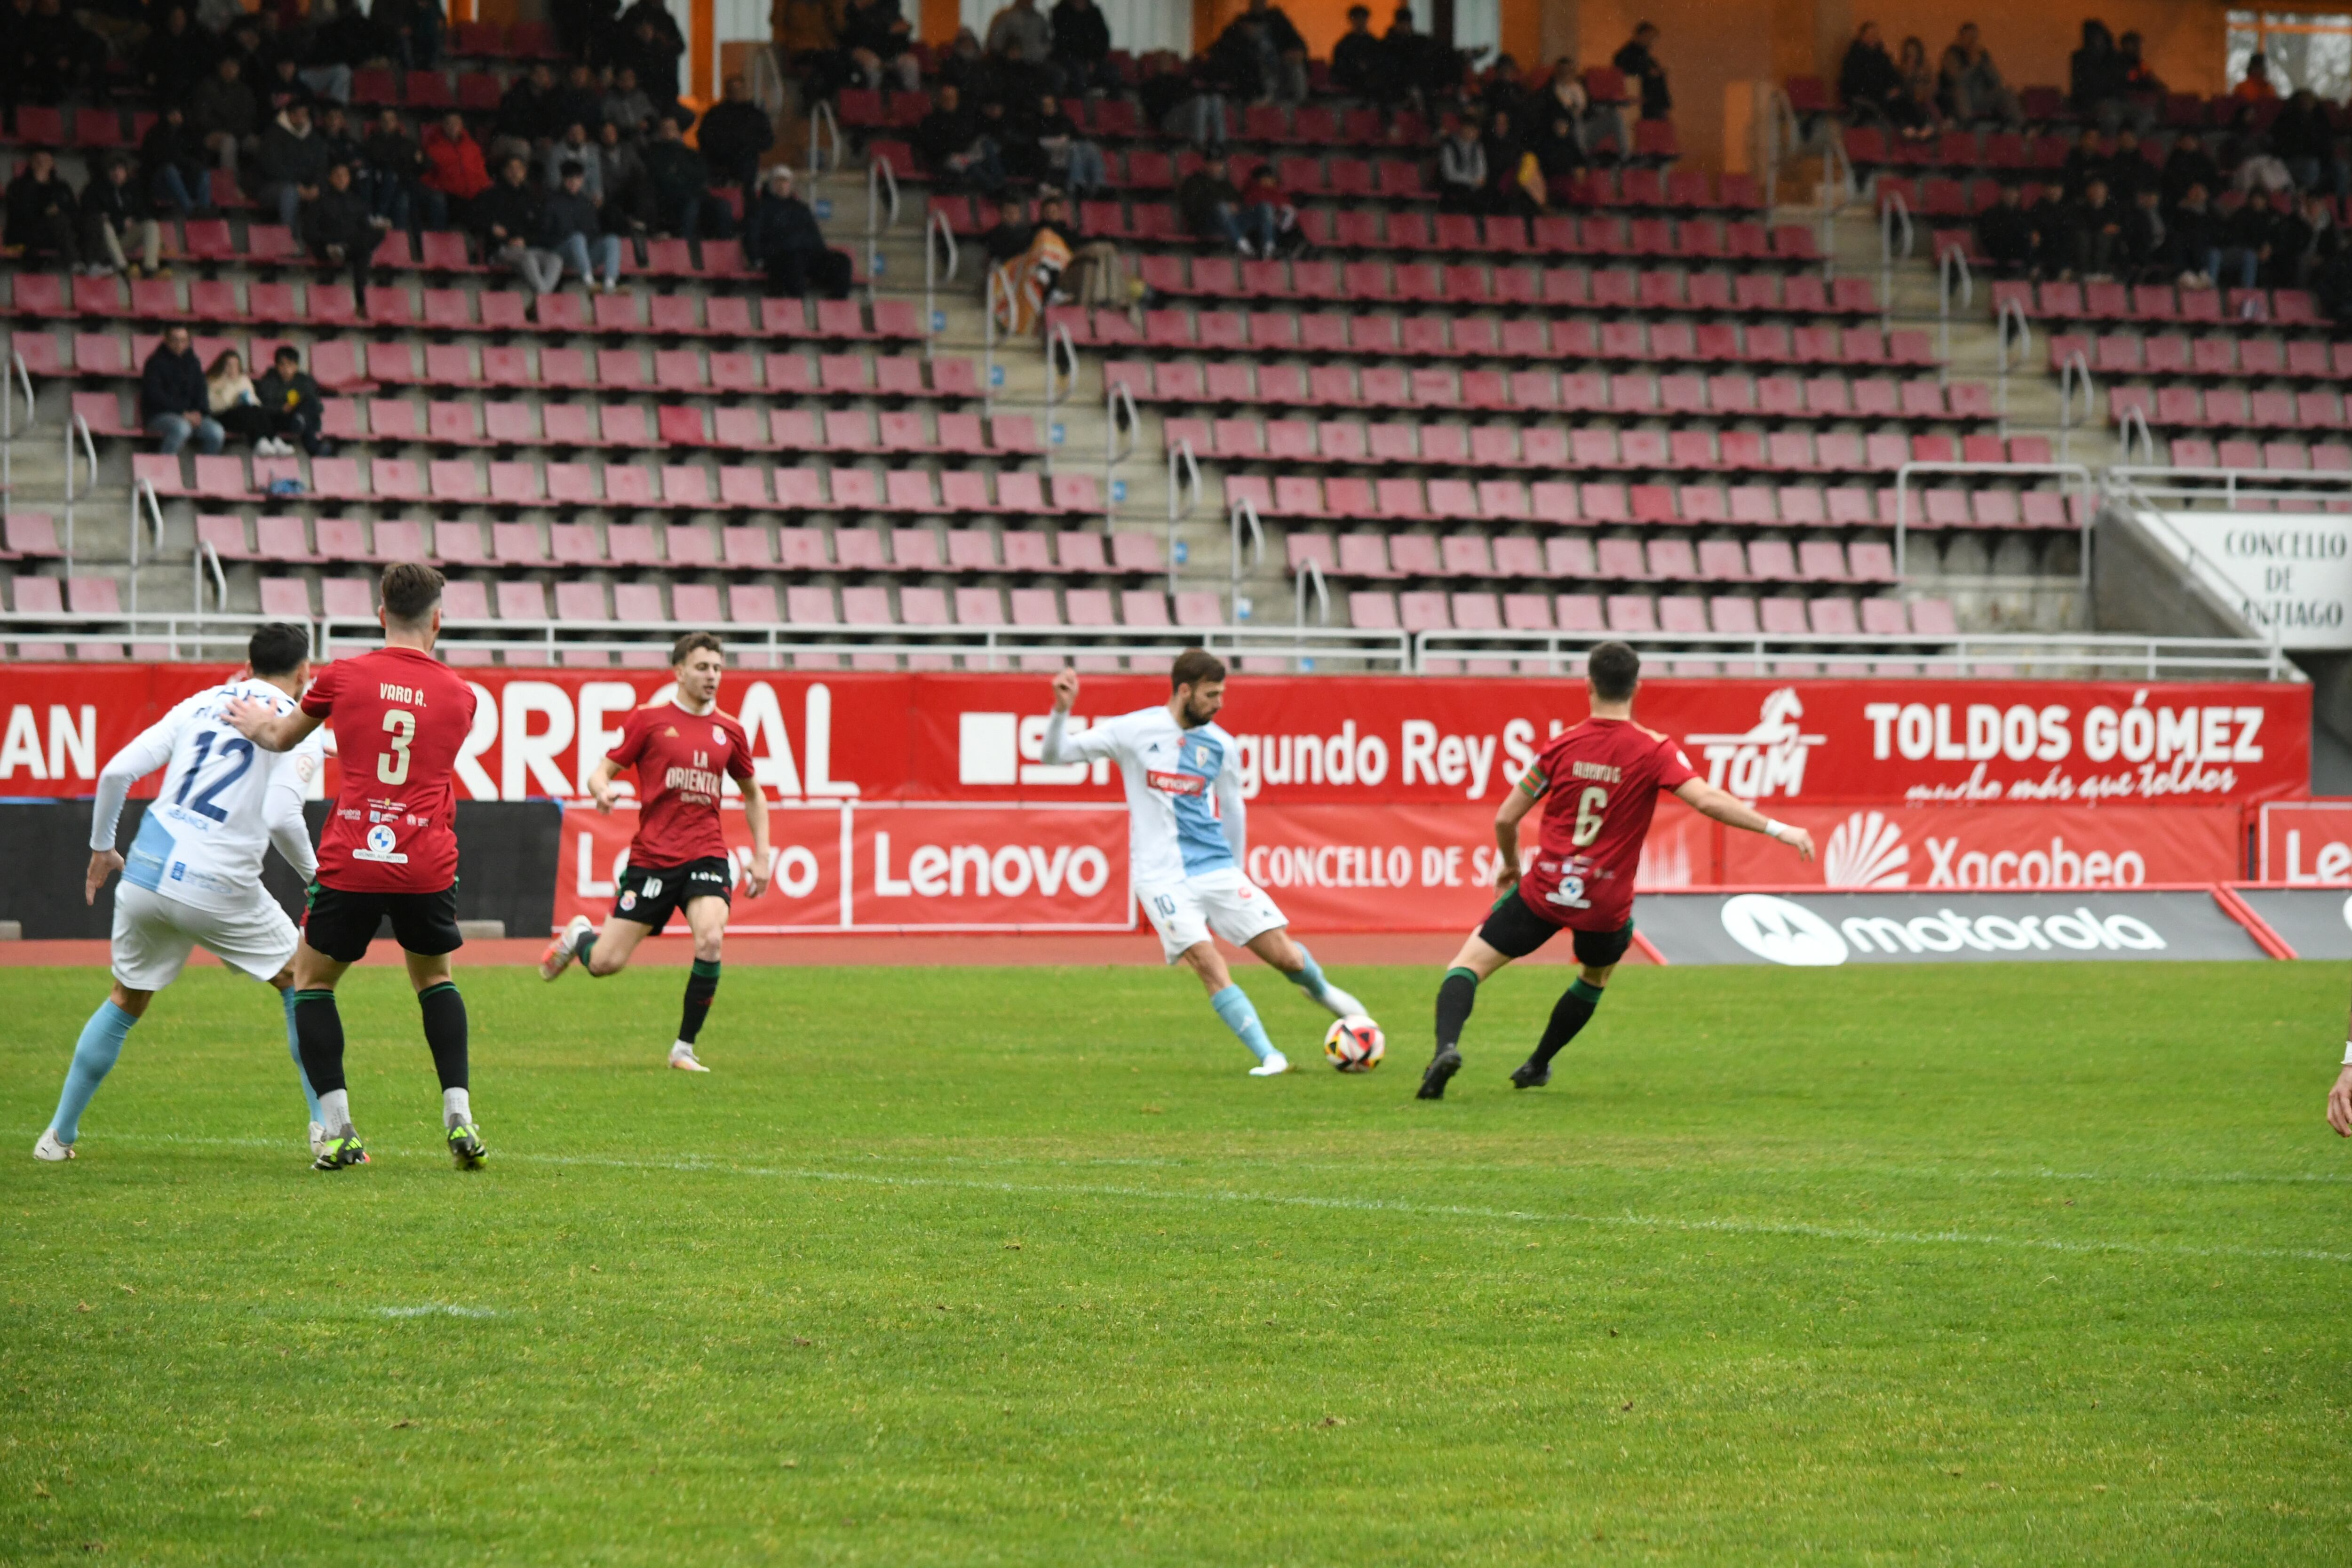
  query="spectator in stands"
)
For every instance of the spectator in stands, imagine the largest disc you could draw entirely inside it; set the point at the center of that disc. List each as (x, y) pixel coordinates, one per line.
(650, 44)
(2302, 138)
(342, 230)
(1261, 53)
(224, 111)
(781, 237)
(808, 35)
(628, 204)
(2255, 86)
(312, 47)
(2142, 86)
(342, 147)
(525, 114)
(1638, 63)
(61, 58)
(1092, 277)
(292, 400)
(2146, 248)
(2054, 232)
(229, 398)
(2188, 163)
(2085, 161)
(2096, 227)
(1082, 49)
(735, 131)
(627, 105)
(881, 42)
(1919, 86)
(683, 202)
(343, 34)
(280, 84)
(582, 26)
(290, 164)
(2248, 240)
(117, 218)
(1008, 236)
(172, 162)
(173, 406)
(1062, 156)
(1265, 190)
(2331, 286)
(1869, 84)
(2101, 82)
(396, 167)
(507, 218)
(953, 148)
(1568, 98)
(411, 31)
(1516, 186)
(1020, 40)
(2128, 170)
(575, 147)
(1973, 88)
(2308, 238)
(42, 212)
(173, 60)
(1181, 103)
(579, 100)
(1212, 209)
(571, 230)
(1360, 61)
(1462, 173)
(966, 68)
(1558, 151)
(456, 172)
(2196, 238)
(2005, 231)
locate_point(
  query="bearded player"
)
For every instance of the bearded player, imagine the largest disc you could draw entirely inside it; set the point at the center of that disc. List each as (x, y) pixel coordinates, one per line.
(390, 850)
(678, 860)
(1186, 860)
(1597, 783)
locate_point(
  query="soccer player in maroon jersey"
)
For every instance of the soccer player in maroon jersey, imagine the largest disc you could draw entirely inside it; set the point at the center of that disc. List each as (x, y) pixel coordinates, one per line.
(678, 860)
(390, 850)
(1599, 784)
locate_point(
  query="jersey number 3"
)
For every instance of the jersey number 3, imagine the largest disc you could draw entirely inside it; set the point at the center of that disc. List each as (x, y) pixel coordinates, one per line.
(1589, 806)
(392, 763)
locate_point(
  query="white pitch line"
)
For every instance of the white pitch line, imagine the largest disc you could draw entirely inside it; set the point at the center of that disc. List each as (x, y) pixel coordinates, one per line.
(1197, 1195)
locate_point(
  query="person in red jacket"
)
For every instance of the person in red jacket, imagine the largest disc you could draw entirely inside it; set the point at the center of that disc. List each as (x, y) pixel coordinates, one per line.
(454, 172)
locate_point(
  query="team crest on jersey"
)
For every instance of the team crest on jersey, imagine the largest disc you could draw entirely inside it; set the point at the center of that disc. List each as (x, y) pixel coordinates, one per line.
(718, 736)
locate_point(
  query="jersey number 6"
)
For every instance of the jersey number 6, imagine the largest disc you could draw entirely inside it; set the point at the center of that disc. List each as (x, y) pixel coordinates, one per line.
(1589, 807)
(391, 764)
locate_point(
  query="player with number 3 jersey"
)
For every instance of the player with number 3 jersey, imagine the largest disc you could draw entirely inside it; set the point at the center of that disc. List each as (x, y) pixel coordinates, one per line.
(390, 850)
(1597, 783)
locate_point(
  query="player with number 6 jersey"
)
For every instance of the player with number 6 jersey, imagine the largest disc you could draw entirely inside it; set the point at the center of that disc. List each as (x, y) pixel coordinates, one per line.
(390, 851)
(1598, 783)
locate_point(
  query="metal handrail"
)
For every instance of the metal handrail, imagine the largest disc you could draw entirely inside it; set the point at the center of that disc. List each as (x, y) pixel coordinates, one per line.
(2201, 567)
(2135, 421)
(1060, 387)
(13, 375)
(206, 555)
(935, 227)
(89, 449)
(881, 180)
(821, 120)
(1893, 213)
(1774, 111)
(1952, 264)
(1837, 176)
(2273, 485)
(1243, 509)
(2009, 310)
(2076, 370)
(765, 77)
(1310, 569)
(1181, 462)
(1115, 395)
(1903, 489)
(988, 372)
(2026, 653)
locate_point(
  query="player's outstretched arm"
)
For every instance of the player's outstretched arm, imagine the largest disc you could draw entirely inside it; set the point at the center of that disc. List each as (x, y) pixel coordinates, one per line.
(1065, 697)
(265, 727)
(144, 755)
(105, 863)
(600, 784)
(1733, 812)
(2339, 1103)
(1516, 805)
(755, 817)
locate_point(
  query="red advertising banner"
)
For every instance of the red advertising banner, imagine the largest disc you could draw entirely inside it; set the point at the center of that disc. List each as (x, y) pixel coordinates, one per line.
(1309, 740)
(2304, 842)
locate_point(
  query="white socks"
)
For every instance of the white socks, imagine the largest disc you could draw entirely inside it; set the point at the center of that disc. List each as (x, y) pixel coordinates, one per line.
(456, 1109)
(335, 1111)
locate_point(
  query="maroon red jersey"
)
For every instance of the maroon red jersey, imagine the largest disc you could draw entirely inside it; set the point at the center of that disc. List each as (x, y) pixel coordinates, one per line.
(400, 717)
(1600, 781)
(679, 757)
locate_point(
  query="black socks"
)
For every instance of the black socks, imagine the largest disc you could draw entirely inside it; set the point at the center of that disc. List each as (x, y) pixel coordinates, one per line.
(319, 1036)
(1570, 1013)
(701, 985)
(1455, 997)
(444, 1034)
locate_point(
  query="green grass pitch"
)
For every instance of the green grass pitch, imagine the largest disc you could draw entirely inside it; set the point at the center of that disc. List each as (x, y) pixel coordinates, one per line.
(2034, 1265)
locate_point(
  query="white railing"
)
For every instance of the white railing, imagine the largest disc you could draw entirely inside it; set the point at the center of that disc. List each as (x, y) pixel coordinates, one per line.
(1772, 135)
(2045, 654)
(206, 556)
(765, 78)
(145, 508)
(1061, 382)
(2149, 485)
(881, 213)
(1240, 512)
(2075, 373)
(1894, 219)
(2133, 431)
(1184, 469)
(988, 373)
(822, 124)
(1838, 191)
(1119, 442)
(935, 227)
(1952, 278)
(2009, 326)
(2062, 470)
(173, 633)
(1310, 572)
(77, 427)
(13, 378)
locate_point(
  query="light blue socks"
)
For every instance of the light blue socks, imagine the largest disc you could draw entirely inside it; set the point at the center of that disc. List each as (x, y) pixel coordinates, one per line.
(1233, 1005)
(294, 1046)
(1310, 980)
(93, 1059)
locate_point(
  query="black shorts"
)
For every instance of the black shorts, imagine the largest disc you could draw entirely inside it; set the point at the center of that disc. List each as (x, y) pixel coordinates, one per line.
(341, 924)
(1514, 931)
(649, 894)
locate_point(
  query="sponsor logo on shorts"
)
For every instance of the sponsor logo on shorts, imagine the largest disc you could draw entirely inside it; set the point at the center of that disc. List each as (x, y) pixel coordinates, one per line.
(380, 846)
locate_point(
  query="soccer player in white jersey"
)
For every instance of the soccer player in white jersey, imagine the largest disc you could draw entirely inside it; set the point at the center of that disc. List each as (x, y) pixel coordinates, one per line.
(1185, 859)
(193, 874)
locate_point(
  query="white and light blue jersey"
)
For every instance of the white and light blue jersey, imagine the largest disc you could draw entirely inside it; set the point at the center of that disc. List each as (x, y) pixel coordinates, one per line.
(224, 802)
(1172, 775)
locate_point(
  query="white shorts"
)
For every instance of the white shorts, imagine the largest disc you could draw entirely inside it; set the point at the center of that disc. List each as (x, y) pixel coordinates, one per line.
(153, 934)
(1225, 901)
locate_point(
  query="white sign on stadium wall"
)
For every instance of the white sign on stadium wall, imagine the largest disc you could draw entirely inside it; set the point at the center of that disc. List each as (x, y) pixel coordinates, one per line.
(1823, 930)
(2291, 574)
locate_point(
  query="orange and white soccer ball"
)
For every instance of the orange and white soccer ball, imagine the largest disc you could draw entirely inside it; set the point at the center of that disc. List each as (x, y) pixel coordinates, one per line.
(1354, 1044)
